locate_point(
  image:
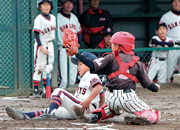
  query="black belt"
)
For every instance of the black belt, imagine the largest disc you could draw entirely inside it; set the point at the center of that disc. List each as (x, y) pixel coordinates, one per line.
(125, 90)
(94, 105)
(160, 59)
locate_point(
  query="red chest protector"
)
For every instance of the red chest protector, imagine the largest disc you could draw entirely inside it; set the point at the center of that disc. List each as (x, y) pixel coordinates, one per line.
(124, 67)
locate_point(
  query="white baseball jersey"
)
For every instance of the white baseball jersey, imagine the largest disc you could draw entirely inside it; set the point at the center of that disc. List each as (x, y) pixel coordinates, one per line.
(86, 85)
(173, 23)
(73, 24)
(45, 27)
(157, 53)
(64, 22)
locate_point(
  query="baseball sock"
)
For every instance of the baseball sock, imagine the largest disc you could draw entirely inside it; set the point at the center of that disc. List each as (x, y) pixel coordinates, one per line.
(36, 84)
(55, 103)
(34, 114)
(44, 83)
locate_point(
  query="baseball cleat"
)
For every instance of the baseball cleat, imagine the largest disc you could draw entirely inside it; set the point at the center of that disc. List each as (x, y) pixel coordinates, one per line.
(36, 93)
(46, 116)
(43, 95)
(136, 120)
(16, 114)
(91, 118)
(77, 110)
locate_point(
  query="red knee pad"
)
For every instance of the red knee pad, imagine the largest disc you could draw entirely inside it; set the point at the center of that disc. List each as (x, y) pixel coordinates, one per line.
(105, 111)
(153, 116)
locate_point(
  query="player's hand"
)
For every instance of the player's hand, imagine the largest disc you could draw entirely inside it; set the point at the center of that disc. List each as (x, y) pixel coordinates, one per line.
(44, 51)
(158, 86)
(166, 46)
(70, 49)
(85, 104)
(154, 45)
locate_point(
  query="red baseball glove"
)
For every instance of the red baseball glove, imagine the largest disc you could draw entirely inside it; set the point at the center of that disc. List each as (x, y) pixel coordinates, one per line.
(70, 41)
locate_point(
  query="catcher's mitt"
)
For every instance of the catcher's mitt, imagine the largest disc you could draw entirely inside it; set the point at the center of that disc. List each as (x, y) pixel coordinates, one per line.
(70, 41)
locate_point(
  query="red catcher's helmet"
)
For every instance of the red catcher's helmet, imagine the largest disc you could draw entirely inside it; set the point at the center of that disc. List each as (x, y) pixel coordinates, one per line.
(125, 40)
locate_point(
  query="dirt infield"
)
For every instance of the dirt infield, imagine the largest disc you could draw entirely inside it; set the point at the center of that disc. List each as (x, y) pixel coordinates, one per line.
(166, 100)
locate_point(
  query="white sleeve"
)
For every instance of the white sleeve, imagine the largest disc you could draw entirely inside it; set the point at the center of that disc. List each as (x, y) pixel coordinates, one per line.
(79, 29)
(163, 18)
(150, 42)
(37, 24)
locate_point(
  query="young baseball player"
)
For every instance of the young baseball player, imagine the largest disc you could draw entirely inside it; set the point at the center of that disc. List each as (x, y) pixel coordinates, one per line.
(44, 31)
(88, 94)
(123, 68)
(66, 19)
(106, 42)
(158, 62)
(172, 20)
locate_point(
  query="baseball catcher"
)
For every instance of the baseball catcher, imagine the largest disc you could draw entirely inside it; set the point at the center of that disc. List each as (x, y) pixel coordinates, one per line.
(124, 69)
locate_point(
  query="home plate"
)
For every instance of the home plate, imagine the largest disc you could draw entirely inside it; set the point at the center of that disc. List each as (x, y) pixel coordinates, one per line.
(106, 127)
(15, 98)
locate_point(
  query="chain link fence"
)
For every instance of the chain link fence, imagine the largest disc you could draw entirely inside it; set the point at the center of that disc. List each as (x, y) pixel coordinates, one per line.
(17, 44)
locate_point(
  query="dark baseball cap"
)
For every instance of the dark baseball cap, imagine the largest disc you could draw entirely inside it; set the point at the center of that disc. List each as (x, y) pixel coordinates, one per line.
(88, 55)
(107, 30)
(160, 23)
(63, 1)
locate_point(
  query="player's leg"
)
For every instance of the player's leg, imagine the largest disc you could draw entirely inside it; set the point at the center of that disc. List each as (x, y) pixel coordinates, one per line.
(39, 62)
(63, 113)
(62, 67)
(20, 115)
(61, 97)
(162, 74)
(73, 72)
(104, 112)
(139, 112)
(153, 68)
(171, 62)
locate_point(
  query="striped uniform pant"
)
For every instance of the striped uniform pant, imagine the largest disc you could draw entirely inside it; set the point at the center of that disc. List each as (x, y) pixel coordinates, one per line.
(129, 102)
(67, 101)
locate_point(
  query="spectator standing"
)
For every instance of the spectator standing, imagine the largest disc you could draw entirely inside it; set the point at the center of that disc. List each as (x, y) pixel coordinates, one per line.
(172, 20)
(106, 42)
(93, 21)
(158, 63)
(66, 19)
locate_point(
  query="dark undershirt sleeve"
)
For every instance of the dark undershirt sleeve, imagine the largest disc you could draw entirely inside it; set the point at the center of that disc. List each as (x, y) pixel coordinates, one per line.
(153, 87)
(86, 61)
(36, 35)
(80, 38)
(154, 41)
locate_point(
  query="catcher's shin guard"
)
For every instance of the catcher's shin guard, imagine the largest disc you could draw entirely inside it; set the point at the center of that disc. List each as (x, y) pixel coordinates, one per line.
(105, 111)
(153, 116)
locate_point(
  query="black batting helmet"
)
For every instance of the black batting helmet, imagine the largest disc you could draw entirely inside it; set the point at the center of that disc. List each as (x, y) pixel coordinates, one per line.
(39, 2)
